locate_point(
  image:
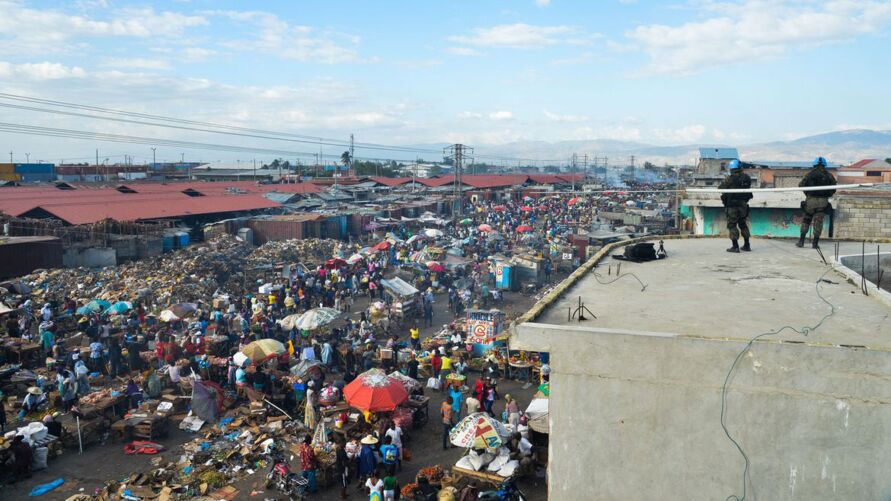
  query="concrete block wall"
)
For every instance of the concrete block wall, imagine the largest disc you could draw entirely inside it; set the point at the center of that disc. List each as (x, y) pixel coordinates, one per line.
(865, 215)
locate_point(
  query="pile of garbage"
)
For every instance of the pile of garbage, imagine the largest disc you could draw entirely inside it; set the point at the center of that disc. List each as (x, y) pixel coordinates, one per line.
(236, 448)
(185, 275)
(311, 251)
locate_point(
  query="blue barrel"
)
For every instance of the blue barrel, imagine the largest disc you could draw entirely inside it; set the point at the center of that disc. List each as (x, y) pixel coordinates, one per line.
(182, 239)
(168, 242)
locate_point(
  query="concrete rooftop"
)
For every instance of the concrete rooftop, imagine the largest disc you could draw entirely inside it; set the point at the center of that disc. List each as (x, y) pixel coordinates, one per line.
(702, 291)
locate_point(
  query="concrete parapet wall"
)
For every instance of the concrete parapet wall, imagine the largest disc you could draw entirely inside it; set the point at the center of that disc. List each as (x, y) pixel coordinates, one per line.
(635, 416)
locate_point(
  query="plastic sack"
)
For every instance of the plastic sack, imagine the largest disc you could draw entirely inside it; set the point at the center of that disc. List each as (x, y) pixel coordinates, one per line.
(40, 455)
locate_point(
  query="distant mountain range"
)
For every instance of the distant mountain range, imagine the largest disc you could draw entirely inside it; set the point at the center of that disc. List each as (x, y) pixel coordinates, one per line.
(841, 147)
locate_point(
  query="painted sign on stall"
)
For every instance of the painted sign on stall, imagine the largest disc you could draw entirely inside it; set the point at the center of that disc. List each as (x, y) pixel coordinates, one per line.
(480, 331)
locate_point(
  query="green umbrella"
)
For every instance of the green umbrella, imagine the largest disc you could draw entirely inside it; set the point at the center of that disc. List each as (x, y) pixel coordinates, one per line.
(466, 221)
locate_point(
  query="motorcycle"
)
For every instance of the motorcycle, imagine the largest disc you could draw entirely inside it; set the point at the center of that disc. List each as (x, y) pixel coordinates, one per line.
(282, 479)
(508, 491)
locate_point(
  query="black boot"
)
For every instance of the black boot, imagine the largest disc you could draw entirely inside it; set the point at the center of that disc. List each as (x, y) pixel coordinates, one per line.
(800, 242)
(735, 247)
(746, 247)
(816, 244)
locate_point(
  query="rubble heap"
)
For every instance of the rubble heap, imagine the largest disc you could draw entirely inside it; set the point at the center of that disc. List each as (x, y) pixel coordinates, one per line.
(310, 252)
(186, 275)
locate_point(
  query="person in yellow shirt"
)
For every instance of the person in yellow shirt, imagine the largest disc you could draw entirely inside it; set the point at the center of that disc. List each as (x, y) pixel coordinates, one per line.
(415, 334)
(446, 366)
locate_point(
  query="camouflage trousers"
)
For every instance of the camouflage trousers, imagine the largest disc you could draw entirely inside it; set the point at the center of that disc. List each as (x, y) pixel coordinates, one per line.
(814, 211)
(736, 221)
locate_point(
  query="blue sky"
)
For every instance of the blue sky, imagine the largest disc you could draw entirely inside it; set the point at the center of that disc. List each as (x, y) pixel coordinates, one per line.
(479, 72)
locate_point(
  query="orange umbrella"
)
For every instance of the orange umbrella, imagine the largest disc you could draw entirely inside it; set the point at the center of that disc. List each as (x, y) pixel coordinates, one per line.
(484, 227)
(572, 201)
(523, 228)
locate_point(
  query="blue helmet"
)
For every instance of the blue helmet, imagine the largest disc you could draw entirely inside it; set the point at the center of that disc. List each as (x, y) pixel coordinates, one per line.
(819, 161)
(734, 164)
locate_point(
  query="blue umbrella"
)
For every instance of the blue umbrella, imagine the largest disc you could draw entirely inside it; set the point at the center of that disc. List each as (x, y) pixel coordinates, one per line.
(118, 308)
(93, 306)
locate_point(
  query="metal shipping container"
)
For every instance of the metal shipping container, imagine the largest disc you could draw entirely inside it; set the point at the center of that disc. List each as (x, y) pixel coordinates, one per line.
(35, 168)
(10, 176)
(7, 168)
(22, 255)
(272, 230)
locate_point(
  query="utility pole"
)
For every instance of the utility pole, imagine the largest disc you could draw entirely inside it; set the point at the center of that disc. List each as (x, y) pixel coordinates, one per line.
(585, 169)
(27, 158)
(255, 170)
(352, 153)
(10, 157)
(458, 152)
(575, 158)
(97, 165)
(154, 161)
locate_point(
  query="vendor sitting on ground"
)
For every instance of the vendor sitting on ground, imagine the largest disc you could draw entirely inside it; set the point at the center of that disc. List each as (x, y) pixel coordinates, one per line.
(34, 400)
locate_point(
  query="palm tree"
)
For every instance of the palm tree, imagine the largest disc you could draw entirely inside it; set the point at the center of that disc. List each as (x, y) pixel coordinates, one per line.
(345, 158)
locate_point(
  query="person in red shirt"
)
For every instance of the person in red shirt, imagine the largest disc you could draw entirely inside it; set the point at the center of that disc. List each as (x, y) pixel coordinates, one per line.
(436, 363)
(309, 463)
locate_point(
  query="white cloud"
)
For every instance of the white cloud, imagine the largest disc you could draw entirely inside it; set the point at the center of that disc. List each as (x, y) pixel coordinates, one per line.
(684, 135)
(39, 71)
(298, 42)
(755, 30)
(556, 117)
(493, 115)
(542, 3)
(515, 36)
(196, 54)
(38, 31)
(614, 132)
(137, 63)
(463, 51)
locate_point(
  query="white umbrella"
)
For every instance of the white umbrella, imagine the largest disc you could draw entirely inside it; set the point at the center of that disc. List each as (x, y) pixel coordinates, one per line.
(289, 321)
(240, 358)
(168, 316)
(355, 258)
(432, 233)
(315, 318)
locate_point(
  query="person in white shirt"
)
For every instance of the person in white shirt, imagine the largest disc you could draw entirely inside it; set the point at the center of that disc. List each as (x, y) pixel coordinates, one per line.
(374, 484)
(473, 405)
(173, 372)
(395, 434)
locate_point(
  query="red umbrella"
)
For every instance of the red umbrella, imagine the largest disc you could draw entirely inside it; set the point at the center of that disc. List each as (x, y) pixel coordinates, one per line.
(435, 267)
(375, 391)
(334, 263)
(382, 246)
(499, 208)
(526, 208)
(484, 227)
(572, 201)
(523, 228)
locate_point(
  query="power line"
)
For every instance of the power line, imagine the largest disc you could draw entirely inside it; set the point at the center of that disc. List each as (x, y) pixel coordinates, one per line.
(201, 126)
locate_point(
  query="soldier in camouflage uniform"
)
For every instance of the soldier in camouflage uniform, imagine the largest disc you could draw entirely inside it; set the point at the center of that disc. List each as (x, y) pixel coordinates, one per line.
(736, 205)
(816, 203)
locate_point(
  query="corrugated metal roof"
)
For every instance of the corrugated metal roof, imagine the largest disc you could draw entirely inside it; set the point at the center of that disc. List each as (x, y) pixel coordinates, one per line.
(718, 153)
(391, 181)
(146, 207)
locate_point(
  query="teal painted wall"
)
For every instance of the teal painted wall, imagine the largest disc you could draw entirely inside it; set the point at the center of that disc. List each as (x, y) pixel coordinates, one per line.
(764, 222)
